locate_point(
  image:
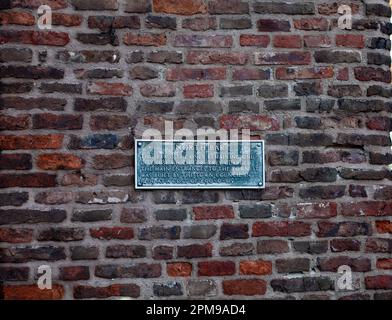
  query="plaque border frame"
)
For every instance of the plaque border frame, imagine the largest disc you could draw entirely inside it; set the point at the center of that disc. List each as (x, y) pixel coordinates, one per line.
(196, 187)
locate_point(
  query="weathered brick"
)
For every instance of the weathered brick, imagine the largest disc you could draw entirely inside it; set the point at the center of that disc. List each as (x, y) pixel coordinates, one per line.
(61, 234)
(343, 229)
(88, 56)
(282, 58)
(31, 72)
(168, 289)
(126, 251)
(25, 254)
(139, 270)
(164, 57)
(302, 284)
(162, 253)
(84, 253)
(272, 246)
(53, 197)
(199, 23)
(181, 74)
(106, 23)
(159, 232)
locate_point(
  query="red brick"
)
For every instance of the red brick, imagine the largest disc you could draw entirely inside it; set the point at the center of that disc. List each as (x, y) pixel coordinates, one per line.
(67, 20)
(47, 38)
(178, 74)
(244, 287)
(179, 269)
(198, 91)
(372, 74)
(213, 212)
(29, 142)
(251, 74)
(145, 39)
(109, 233)
(385, 264)
(251, 40)
(378, 282)
(319, 24)
(343, 74)
(19, 122)
(289, 41)
(367, 208)
(350, 40)
(216, 268)
(273, 25)
(32, 180)
(195, 251)
(57, 121)
(257, 267)
(384, 226)
(59, 161)
(32, 292)
(16, 235)
(17, 17)
(281, 229)
(74, 273)
(379, 123)
(183, 7)
(114, 290)
(15, 161)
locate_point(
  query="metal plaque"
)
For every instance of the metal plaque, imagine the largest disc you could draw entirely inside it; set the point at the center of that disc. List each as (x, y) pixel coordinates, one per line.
(199, 164)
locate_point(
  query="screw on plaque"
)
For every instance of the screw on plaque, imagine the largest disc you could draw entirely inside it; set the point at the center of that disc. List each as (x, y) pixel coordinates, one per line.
(139, 144)
(260, 183)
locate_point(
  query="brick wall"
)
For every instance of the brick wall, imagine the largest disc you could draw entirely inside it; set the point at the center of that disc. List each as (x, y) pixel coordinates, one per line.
(75, 97)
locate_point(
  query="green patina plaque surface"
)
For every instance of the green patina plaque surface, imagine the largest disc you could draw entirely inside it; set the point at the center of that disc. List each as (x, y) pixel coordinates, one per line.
(161, 164)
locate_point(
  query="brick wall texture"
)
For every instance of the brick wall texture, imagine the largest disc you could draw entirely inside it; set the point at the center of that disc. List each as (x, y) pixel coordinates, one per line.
(73, 99)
